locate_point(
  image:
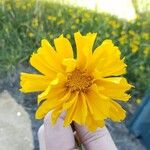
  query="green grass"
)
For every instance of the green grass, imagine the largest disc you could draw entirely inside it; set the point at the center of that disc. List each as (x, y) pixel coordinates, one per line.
(24, 23)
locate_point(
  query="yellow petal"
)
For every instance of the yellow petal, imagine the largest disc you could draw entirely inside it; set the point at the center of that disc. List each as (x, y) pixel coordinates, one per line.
(114, 87)
(98, 104)
(50, 55)
(71, 101)
(70, 106)
(63, 47)
(46, 60)
(70, 64)
(117, 113)
(80, 112)
(55, 114)
(55, 86)
(106, 59)
(50, 104)
(29, 82)
(92, 124)
(44, 94)
(84, 41)
(84, 45)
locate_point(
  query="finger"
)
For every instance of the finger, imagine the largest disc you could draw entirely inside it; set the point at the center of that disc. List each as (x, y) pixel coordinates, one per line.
(56, 136)
(100, 139)
(41, 137)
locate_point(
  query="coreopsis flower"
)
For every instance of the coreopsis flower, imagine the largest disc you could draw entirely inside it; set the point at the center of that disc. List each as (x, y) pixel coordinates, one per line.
(87, 88)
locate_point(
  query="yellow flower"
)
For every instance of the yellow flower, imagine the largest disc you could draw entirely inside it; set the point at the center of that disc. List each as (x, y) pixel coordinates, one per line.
(49, 17)
(29, 5)
(134, 48)
(123, 39)
(145, 36)
(114, 24)
(35, 23)
(87, 15)
(30, 34)
(18, 3)
(68, 36)
(138, 101)
(131, 32)
(113, 33)
(77, 21)
(146, 51)
(141, 68)
(87, 88)
(60, 22)
(24, 7)
(73, 27)
(53, 18)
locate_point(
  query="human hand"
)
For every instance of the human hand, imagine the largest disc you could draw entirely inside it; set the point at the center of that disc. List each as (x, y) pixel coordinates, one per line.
(57, 137)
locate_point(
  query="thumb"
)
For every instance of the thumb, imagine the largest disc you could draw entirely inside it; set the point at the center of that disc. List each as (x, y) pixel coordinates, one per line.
(100, 139)
(56, 136)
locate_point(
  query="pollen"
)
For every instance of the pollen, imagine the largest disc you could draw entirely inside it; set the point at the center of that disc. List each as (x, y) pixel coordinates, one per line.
(78, 80)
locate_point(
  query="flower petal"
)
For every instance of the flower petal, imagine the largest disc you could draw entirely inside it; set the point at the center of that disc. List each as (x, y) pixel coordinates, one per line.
(50, 104)
(55, 86)
(92, 124)
(84, 41)
(70, 105)
(80, 112)
(71, 101)
(55, 114)
(46, 60)
(114, 87)
(70, 64)
(106, 59)
(117, 113)
(63, 47)
(29, 82)
(84, 45)
(98, 104)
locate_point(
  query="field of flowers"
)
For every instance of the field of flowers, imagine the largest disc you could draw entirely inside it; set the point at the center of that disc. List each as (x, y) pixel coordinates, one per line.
(24, 23)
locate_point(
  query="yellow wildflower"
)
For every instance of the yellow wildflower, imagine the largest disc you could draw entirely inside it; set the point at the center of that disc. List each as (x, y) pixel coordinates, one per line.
(77, 21)
(8, 6)
(68, 36)
(122, 39)
(73, 27)
(134, 48)
(114, 24)
(52, 18)
(51, 36)
(49, 17)
(87, 15)
(86, 88)
(24, 7)
(61, 22)
(138, 101)
(18, 3)
(35, 22)
(123, 32)
(113, 33)
(107, 35)
(30, 34)
(29, 5)
(145, 36)
(131, 32)
(141, 67)
(146, 51)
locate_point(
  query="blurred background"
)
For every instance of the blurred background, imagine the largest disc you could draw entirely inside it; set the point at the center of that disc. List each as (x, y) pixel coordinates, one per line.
(23, 23)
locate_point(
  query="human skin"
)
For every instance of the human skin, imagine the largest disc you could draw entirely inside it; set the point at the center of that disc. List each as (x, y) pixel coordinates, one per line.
(57, 137)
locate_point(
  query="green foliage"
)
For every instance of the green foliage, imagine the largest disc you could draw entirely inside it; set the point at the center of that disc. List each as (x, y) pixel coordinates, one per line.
(24, 23)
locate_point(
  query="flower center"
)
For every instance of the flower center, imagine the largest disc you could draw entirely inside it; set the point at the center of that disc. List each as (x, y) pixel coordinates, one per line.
(78, 80)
